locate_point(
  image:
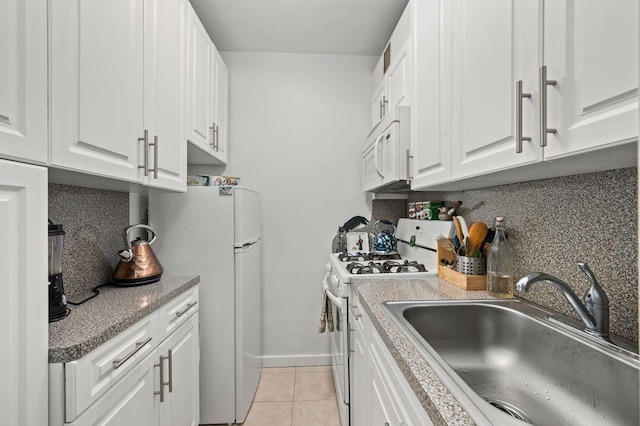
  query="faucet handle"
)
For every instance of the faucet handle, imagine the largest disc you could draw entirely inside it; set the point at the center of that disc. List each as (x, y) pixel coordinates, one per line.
(595, 296)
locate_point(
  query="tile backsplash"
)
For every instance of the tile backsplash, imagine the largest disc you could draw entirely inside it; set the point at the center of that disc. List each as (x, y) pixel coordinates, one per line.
(554, 223)
(93, 222)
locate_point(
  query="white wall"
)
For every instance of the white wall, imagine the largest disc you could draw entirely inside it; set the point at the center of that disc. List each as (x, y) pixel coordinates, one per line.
(296, 126)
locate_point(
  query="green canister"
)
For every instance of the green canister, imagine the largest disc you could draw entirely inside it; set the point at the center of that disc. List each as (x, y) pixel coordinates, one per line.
(431, 209)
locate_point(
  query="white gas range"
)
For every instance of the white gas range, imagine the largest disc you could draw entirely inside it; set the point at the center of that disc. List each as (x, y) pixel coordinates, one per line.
(416, 257)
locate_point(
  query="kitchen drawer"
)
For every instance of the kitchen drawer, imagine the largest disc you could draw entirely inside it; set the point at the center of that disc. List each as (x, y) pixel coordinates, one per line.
(358, 314)
(91, 376)
(176, 312)
(131, 401)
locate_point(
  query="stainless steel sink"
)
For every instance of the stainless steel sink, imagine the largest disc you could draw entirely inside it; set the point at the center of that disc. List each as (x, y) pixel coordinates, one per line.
(508, 362)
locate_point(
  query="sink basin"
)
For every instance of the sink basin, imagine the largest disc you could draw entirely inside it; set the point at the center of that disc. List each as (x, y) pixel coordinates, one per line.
(510, 362)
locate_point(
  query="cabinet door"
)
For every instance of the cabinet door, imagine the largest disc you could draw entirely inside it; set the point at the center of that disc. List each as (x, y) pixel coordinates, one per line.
(430, 105)
(398, 79)
(221, 100)
(180, 364)
(131, 402)
(201, 85)
(591, 50)
(165, 48)
(23, 261)
(23, 80)
(495, 44)
(377, 102)
(360, 382)
(381, 407)
(97, 86)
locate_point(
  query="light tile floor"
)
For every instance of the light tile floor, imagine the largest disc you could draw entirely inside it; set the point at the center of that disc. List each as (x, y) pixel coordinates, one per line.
(295, 396)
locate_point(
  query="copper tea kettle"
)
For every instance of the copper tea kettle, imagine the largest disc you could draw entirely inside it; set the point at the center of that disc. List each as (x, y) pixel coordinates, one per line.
(138, 264)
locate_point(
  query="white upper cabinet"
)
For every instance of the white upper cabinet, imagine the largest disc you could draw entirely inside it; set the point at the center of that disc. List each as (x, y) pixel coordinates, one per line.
(115, 82)
(495, 45)
(200, 84)
(221, 99)
(481, 113)
(23, 80)
(165, 90)
(392, 84)
(97, 86)
(591, 50)
(207, 104)
(430, 106)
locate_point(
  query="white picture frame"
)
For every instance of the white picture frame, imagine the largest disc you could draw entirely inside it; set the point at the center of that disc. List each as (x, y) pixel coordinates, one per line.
(357, 242)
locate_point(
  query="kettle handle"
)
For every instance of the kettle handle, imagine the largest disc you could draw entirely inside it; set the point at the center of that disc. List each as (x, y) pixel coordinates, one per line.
(128, 229)
(384, 222)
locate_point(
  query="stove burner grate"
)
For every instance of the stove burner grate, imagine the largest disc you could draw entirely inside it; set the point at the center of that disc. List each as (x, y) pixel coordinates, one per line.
(388, 267)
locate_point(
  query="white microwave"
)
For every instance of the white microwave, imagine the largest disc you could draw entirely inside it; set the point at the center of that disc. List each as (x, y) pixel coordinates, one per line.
(386, 154)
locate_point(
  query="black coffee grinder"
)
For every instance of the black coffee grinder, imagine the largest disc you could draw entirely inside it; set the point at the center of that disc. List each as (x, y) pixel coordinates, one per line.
(57, 299)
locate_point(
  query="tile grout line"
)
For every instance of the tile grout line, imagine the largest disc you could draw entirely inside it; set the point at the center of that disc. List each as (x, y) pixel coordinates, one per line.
(293, 398)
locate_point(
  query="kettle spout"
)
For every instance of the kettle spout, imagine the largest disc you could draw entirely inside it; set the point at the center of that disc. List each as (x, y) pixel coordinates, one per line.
(125, 255)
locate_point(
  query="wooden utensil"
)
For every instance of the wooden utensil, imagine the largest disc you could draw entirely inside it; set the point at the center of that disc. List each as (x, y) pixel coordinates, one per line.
(445, 243)
(456, 222)
(477, 233)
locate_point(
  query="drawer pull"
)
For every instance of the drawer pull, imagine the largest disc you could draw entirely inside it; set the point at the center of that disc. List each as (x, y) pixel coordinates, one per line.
(160, 365)
(357, 314)
(184, 311)
(117, 363)
(170, 370)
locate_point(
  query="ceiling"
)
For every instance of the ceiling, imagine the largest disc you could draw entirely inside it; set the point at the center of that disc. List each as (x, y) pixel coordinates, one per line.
(344, 27)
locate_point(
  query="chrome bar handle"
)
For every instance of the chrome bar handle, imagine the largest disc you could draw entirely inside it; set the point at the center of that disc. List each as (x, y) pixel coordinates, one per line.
(349, 344)
(162, 382)
(519, 96)
(213, 139)
(385, 102)
(358, 314)
(161, 391)
(381, 106)
(170, 357)
(189, 306)
(117, 363)
(216, 137)
(155, 156)
(145, 139)
(543, 105)
(408, 158)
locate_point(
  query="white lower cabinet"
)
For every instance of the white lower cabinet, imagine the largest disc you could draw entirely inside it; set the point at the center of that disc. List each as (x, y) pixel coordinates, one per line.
(380, 395)
(131, 380)
(180, 358)
(130, 402)
(23, 261)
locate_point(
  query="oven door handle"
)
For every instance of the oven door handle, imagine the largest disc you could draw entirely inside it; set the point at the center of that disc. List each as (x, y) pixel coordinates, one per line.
(334, 299)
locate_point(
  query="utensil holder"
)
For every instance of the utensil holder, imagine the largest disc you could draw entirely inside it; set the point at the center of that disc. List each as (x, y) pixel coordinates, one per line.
(472, 265)
(451, 275)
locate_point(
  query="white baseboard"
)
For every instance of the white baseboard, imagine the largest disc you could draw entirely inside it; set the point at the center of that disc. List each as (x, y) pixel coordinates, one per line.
(295, 360)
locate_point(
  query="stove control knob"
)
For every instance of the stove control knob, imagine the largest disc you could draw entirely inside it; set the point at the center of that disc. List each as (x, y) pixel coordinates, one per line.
(329, 267)
(334, 280)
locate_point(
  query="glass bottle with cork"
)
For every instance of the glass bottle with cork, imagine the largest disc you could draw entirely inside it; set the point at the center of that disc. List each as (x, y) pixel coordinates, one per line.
(500, 264)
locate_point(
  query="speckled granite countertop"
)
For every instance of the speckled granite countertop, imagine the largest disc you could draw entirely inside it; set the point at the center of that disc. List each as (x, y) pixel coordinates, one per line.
(437, 400)
(111, 312)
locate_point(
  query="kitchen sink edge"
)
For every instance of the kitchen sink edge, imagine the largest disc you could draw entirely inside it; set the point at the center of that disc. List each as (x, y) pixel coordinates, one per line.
(477, 406)
(435, 396)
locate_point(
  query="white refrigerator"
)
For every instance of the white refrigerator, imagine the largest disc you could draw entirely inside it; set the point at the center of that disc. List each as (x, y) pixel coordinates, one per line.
(216, 234)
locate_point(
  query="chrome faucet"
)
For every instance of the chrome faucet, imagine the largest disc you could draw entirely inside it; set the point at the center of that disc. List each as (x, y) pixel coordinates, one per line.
(594, 313)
